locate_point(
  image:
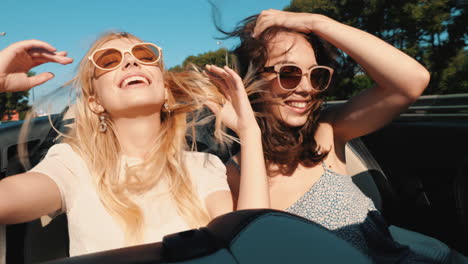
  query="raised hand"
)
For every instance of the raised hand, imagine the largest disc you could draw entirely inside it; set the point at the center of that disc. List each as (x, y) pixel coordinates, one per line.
(237, 113)
(20, 57)
(301, 22)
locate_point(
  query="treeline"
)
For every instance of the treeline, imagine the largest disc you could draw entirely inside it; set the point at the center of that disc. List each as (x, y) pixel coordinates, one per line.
(12, 104)
(431, 31)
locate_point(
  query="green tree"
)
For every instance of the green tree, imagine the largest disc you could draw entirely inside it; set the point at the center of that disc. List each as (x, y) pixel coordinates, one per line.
(433, 32)
(15, 102)
(217, 57)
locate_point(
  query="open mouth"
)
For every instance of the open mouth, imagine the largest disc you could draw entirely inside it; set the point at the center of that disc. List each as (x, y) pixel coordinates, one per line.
(134, 81)
(298, 106)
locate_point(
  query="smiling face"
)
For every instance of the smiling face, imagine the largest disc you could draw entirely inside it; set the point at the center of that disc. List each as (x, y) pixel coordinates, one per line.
(294, 106)
(131, 89)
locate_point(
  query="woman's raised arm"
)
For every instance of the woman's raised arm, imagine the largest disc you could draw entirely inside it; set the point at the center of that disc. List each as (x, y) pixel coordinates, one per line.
(400, 79)
(30, 195)
(238, 115)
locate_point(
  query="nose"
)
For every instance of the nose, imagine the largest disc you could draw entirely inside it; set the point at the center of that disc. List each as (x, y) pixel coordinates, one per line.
(129, 61)
(304, 86)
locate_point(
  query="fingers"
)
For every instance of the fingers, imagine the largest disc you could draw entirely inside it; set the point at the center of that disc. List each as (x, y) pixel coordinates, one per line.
(39, 79)
(61, 53)
(33, 43)
(216, 72)
(260, 27)
(221, 78)
(41, 56)
(235, 89)
(213, 73)
(230, 77)
(264, 21)
(214, 107)
(235, 77)
(215, 78)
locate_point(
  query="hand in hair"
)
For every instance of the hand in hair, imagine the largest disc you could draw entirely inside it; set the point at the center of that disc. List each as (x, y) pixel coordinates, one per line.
(300, 22)
(237, 113)
(20, 57)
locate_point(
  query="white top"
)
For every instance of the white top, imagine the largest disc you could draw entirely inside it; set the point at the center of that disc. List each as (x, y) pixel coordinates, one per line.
(91, 228)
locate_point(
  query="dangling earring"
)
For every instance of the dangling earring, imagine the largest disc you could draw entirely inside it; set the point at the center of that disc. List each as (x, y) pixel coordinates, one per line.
(102, 124)
(166, 107)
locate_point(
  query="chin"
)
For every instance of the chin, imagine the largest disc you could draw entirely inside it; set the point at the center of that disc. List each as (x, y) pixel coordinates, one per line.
(137, 107)
(292, 120)
(143, 99)
(138, 110)
(295, 122)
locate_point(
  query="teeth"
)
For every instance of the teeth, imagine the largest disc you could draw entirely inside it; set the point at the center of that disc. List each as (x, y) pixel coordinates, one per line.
(297, 104)
(134, 78)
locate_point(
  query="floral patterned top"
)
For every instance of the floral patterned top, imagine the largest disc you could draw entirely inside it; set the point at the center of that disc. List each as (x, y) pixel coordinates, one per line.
(336, 203)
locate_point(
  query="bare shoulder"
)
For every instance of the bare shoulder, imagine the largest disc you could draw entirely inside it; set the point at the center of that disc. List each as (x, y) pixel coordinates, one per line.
(324, 135)
(326, 140)
(63, 149)
(326, 132)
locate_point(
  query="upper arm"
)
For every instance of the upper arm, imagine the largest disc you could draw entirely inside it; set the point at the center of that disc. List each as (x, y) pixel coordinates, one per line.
(367, 112)
(219, 203)
(212, 184)
(25, 197)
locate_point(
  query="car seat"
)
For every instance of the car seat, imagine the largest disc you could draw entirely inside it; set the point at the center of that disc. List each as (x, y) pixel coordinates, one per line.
(51, 242)
(369, 177)
(241, 237)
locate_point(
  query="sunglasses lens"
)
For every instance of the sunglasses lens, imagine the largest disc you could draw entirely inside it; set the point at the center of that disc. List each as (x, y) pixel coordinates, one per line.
(290, 76)
(146, 53)
(108, 58)
(320, 78)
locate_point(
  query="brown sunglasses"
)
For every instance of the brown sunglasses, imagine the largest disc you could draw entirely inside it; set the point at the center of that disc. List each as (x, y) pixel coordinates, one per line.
(290, 75)
(110, 58)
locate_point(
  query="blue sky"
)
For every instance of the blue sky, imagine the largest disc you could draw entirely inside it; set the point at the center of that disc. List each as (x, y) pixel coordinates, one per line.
(180, 27)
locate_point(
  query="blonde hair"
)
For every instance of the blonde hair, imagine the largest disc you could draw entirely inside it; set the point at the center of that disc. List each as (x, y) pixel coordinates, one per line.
(165, 159)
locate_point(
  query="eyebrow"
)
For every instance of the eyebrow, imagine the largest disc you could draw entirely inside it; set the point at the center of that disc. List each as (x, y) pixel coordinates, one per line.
(292, 62)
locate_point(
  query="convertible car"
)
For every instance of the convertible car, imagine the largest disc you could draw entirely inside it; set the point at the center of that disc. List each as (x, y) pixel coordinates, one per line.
(414, 169)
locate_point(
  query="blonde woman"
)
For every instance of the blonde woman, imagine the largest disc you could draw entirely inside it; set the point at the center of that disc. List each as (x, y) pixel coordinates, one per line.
(123, 175)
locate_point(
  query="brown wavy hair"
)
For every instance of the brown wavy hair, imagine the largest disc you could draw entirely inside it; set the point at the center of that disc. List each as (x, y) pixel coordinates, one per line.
(284, 146)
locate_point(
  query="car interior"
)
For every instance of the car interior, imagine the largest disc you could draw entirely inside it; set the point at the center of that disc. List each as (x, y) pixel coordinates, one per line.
(415, 170)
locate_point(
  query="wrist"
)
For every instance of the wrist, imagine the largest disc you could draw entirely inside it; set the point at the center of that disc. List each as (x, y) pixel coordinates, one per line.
(249, 132)
(318, 22)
